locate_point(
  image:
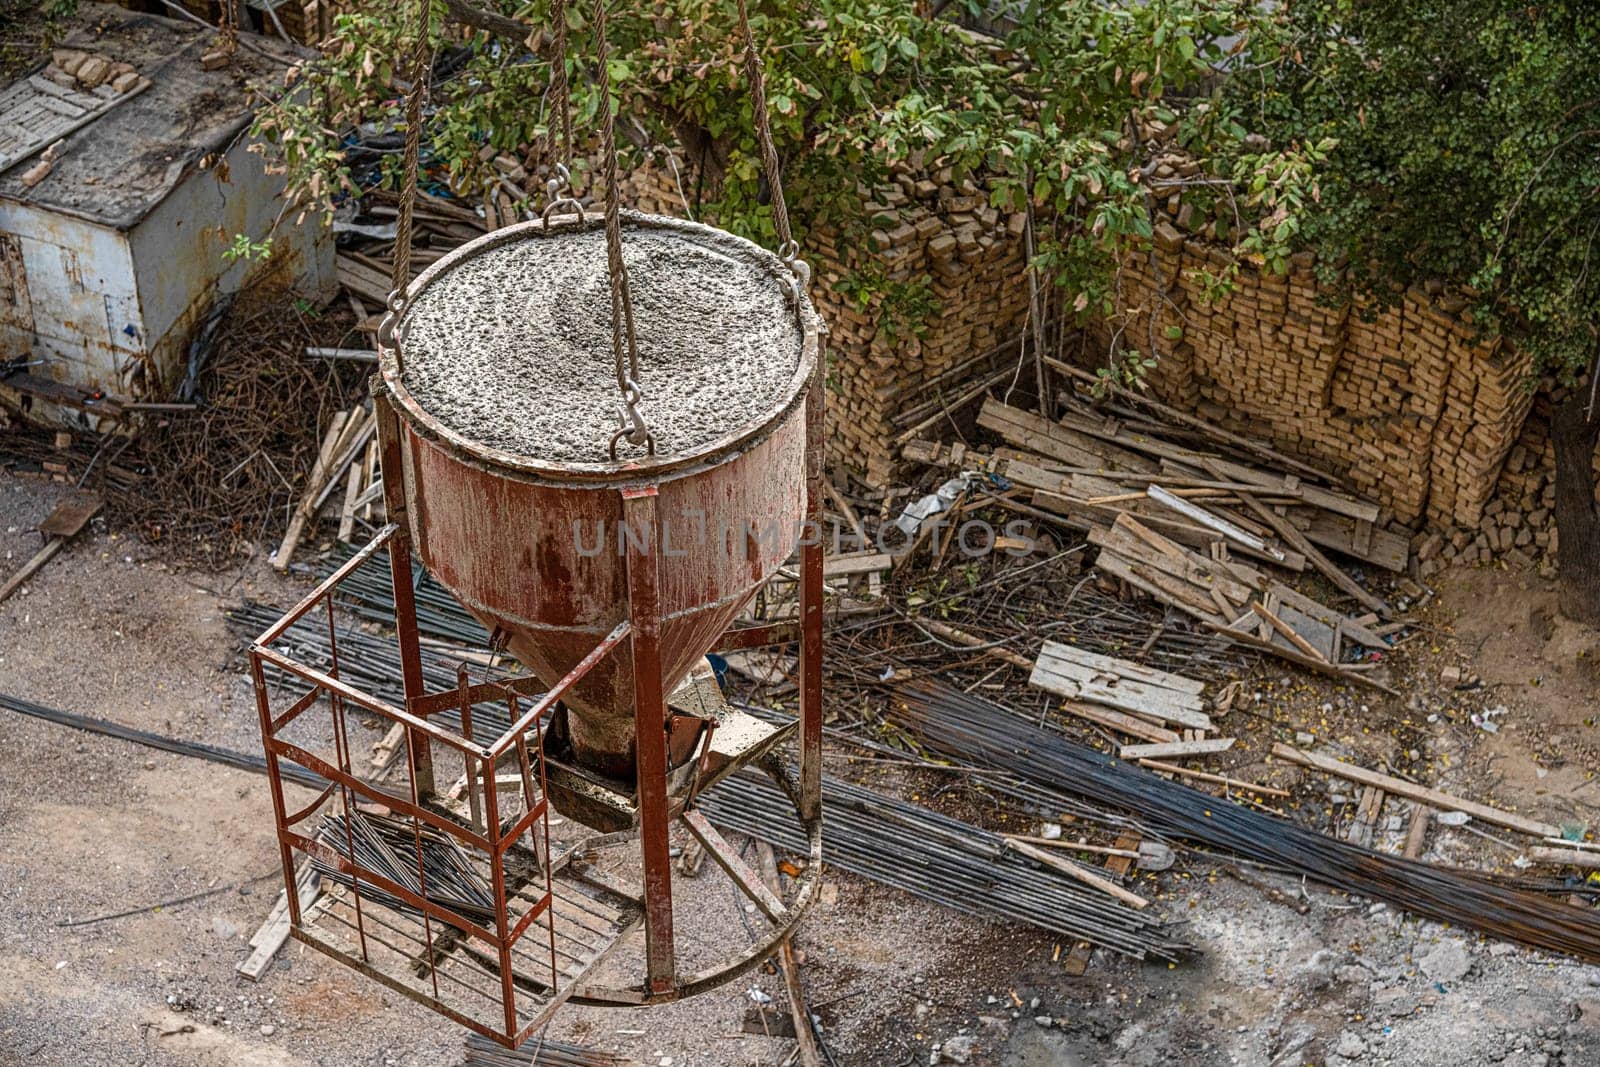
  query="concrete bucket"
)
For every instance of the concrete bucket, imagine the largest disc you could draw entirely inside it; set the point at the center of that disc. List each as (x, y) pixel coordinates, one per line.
(507, 400)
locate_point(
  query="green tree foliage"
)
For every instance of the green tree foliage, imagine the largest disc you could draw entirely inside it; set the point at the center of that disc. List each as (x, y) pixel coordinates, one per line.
(1467, 150)
(1465, 140)
(1051, 112)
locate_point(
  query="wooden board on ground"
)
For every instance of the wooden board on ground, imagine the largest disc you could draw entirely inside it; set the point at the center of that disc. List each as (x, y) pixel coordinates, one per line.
(1177, 749)
(1059, 671)
(1411, 791)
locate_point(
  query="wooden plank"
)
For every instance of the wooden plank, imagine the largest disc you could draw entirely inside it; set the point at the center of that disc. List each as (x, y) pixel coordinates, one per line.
(1132, 725)
(805, 1039)
(1220, 779)
(1183, 418)
(1065, 661)
(1127, 669)
(1327, 616)
(1417, 832)
(347, 514)
(1566, 857)
(1119, 697)
(1130, 537)
(1207, 519)
(1287, 632)
(274, 932)
(1176, 749)
(1314, 495)
(1072, 870)
(736, 869)
(70, 516)
(1367, 809)
(1163, 588)
(302, 513)
(856, 563)
(1055, 440)
(1387, 549)
(362, 280)
(1401, 788)
(28, 569)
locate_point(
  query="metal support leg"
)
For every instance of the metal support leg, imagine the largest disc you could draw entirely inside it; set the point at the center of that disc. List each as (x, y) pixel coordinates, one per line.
(275, 781)
(811, 608)
(405, 602)
(650, 726)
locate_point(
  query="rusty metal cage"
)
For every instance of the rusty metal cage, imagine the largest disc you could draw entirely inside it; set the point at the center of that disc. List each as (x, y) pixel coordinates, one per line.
(532, 925)
(498, 962)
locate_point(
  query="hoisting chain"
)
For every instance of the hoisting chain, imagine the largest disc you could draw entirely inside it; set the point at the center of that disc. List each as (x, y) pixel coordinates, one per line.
(788, 248)
(421, 67)
(624, 345)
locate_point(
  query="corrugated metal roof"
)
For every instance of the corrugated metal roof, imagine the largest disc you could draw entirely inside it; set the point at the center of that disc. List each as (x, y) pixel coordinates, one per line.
(116, 167)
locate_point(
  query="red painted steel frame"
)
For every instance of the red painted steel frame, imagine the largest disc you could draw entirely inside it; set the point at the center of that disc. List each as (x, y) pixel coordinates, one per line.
(642, 630)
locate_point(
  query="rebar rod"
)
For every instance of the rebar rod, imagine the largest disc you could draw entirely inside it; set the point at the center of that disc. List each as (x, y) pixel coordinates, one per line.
(940, 859)
(975, 730)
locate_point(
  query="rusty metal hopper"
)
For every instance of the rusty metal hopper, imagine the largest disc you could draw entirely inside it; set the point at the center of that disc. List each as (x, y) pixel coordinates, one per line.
(537, 549)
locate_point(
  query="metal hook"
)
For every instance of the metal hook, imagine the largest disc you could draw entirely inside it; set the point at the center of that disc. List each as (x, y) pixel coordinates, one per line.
(633, 428)
(391, 332)
(553, 186)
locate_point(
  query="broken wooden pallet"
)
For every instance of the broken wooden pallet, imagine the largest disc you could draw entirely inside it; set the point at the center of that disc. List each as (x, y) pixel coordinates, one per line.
(1086, 677)
(1235, 599)
(1058, 456)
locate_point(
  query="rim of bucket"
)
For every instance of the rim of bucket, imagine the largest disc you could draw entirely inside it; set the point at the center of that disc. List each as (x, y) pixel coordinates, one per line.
(810, 323)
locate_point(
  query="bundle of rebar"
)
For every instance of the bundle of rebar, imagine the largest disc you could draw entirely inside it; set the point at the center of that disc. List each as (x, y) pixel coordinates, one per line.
(940, 859)
(370, 663)
(392, 847)
(974, 730)
(538, 1052)
(369, 592)
(199, 750)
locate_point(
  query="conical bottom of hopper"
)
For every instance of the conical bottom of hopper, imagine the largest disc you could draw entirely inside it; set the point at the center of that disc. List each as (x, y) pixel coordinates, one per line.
(600, 719)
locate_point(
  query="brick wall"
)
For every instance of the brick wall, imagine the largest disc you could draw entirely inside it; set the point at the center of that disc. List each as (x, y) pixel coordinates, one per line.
(927, 233)
(1404, 403)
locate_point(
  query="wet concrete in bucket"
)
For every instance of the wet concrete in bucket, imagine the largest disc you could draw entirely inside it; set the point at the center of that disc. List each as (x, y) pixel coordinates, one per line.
(512, 348)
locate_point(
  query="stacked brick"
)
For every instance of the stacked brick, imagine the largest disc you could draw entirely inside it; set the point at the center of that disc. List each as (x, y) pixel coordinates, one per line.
(1518, 525)
(929, 234)
(1404, 403)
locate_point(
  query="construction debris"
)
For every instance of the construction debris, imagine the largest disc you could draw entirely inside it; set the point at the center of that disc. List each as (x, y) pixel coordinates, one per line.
(59, 527)
(977, 731)
(1238, 600)
(1152, 694)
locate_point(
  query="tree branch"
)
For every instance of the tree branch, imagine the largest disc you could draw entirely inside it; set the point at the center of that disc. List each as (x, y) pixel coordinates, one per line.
(489, 21)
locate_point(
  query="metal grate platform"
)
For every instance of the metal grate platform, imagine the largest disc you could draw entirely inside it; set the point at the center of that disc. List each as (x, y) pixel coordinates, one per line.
(459, 975)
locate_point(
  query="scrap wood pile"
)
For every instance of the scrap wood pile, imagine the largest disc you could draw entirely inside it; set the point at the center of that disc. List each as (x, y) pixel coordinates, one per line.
(1200, 520)
(343, 479)
(365, 262)
(213, 477)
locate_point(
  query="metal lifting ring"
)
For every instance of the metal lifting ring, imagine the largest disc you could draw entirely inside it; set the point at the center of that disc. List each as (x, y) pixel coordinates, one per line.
(391, 331)
(627, 432)
(553, 186)
(633, 428)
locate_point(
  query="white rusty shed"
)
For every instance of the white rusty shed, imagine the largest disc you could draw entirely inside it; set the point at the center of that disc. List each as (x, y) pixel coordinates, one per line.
(113, 252)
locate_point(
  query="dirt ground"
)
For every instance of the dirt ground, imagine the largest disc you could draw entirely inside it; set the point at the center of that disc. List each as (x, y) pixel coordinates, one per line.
(1288, 973)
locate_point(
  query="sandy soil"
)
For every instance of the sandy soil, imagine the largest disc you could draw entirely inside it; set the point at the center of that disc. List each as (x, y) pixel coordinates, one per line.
(1289, 974)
